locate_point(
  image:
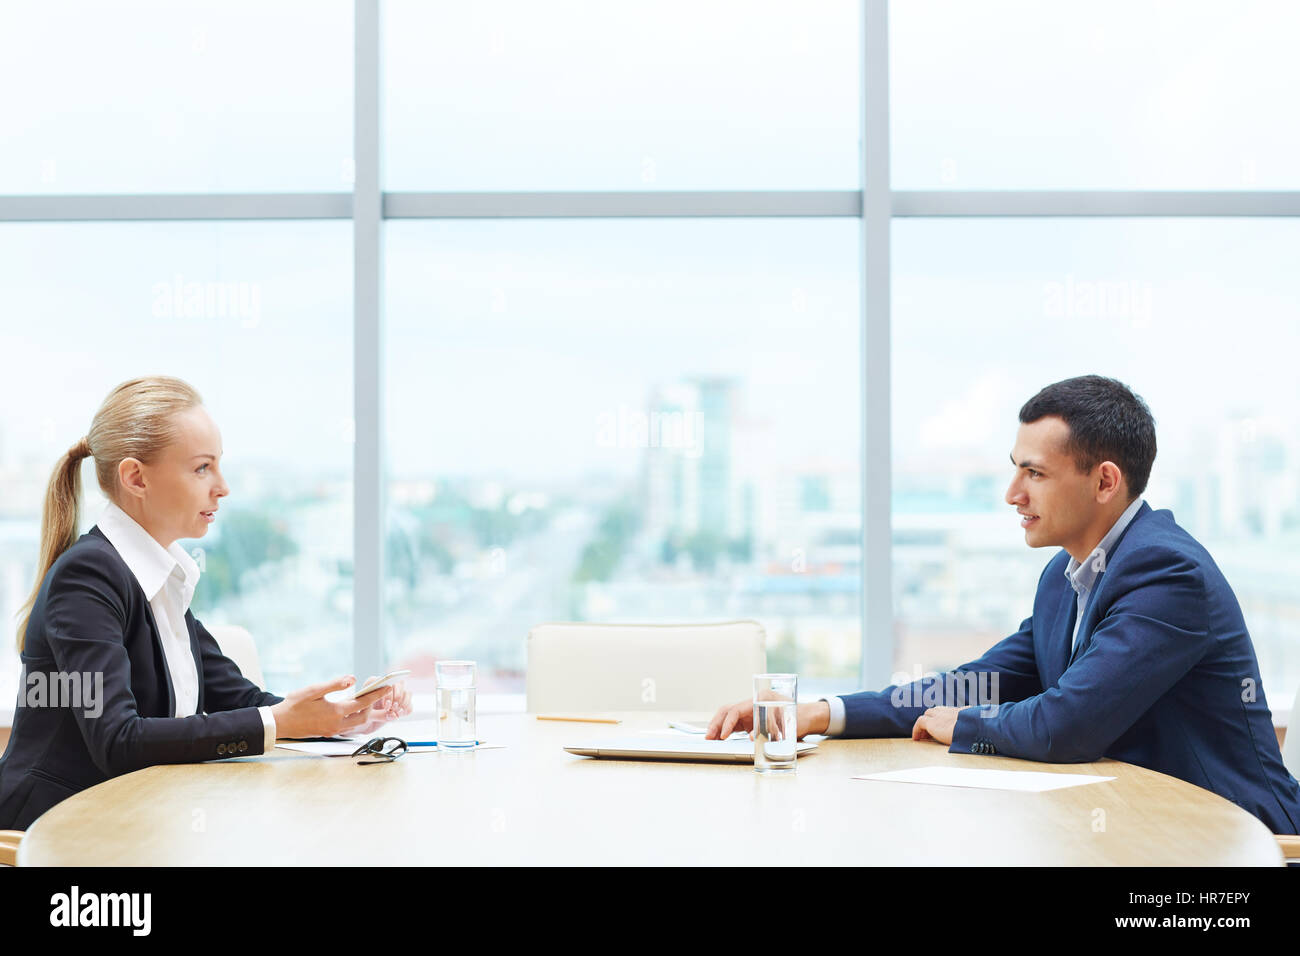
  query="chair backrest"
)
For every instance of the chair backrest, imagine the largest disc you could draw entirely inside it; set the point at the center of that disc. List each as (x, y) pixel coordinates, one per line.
(1291, 742)
(602, 667)
(237, 644)
(9, 840)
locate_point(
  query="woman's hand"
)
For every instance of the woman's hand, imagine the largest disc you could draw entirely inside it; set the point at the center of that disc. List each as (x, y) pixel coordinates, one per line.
(397, 704)
(306, 712)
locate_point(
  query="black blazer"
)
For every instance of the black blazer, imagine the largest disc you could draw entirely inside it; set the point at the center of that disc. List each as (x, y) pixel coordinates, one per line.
(92, 617)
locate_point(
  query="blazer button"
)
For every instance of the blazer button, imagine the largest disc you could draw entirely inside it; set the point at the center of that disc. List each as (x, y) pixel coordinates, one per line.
(221, 748)
(243, 745)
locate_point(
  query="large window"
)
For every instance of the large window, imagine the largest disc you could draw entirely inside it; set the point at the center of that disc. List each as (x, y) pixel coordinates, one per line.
(623, 420)
(728, 94)
(513, 312)
(159, 97)
(1195, 315)
(256, 317)
(1094, 94)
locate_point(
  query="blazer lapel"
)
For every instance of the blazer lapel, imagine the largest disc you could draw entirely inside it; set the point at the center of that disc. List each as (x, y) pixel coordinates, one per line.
(198, 659)
(1061, 636)
(1089, 619)
(1090, 611)
(159, 652)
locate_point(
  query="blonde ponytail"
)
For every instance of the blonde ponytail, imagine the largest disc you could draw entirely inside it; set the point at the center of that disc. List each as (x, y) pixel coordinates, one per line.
(135, 421)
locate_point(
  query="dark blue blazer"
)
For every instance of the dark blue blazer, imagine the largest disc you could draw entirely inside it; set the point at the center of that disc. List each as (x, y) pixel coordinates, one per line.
(1163, 676)
(92, 617)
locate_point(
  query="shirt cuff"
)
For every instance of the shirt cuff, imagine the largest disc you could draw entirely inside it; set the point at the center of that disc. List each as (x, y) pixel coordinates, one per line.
(268, 723)
(836, 725)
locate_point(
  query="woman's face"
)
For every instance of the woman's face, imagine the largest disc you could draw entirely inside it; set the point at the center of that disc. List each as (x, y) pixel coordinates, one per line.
(178, 491)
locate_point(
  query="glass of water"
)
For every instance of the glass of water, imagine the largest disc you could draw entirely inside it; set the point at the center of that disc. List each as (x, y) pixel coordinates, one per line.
(457, 723)
(775, 733)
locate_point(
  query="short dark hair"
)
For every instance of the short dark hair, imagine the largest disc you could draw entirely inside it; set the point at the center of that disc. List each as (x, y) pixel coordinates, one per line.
(1107, 422)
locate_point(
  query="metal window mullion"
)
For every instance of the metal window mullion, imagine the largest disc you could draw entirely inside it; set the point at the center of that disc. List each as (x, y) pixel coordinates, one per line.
(877, 559)
(1084, 203)
(175, 206)
(367, 353)
(996, 204)
(633, 204)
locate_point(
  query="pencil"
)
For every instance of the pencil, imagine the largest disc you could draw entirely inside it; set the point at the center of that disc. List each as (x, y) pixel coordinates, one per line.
(581, 720)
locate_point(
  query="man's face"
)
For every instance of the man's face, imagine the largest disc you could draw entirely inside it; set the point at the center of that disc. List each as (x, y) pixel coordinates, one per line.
(1057, 502)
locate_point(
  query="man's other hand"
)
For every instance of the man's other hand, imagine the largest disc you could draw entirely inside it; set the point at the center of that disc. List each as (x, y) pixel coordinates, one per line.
(937, 723)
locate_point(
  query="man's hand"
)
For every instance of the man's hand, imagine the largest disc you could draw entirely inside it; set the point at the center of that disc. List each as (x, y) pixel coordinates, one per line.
(812, 718)
(937, 723)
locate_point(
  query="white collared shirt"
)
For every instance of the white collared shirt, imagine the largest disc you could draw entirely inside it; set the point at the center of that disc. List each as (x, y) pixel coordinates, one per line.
(168, 577)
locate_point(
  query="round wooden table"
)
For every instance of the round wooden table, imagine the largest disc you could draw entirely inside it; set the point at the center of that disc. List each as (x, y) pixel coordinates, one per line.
(534, 803)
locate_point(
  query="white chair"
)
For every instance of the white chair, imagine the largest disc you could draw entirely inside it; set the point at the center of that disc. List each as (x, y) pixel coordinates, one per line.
(237, 644)
(604, 667)
(1291, 742)
(1291, 757)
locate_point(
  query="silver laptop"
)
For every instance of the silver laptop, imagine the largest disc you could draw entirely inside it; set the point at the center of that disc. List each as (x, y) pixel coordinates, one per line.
(680, 747)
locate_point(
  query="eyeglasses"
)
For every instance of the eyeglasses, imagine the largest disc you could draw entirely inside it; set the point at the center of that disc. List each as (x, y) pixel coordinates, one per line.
(380, 750)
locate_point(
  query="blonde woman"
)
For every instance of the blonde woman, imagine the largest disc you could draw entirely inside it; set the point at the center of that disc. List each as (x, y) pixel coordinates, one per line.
(117, 673)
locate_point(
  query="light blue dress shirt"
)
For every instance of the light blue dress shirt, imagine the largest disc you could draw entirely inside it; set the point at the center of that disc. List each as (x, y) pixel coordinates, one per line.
(1082, 578)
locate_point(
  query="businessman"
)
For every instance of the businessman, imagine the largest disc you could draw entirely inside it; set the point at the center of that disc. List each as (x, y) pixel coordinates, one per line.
(1136, 649)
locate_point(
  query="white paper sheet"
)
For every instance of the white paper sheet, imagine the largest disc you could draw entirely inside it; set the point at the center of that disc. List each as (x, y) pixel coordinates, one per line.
(1033, 781)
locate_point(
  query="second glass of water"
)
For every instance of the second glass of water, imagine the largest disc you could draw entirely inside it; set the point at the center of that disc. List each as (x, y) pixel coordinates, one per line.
(775, 732)
(457, 719)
